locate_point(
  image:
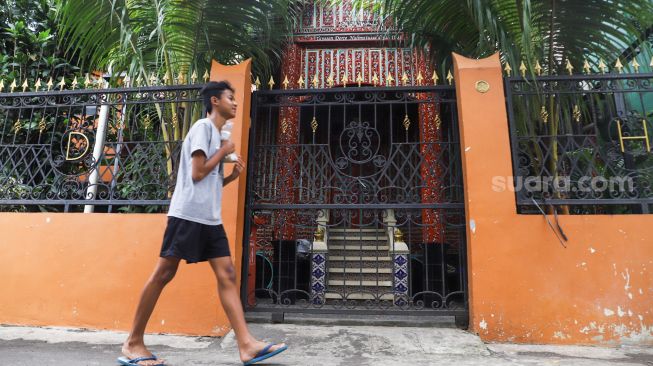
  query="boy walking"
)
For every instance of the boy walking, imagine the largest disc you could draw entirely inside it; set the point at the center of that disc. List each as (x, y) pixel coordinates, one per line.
(195, 231)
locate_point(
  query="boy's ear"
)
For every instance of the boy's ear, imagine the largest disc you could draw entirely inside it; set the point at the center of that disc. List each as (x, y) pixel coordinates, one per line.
(214, 100)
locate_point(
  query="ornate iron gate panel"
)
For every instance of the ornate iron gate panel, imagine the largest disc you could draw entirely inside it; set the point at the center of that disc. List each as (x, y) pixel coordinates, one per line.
(111, 150)
(355, 202)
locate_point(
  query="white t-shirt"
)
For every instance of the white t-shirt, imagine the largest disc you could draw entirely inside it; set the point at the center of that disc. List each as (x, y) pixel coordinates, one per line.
(199, 201)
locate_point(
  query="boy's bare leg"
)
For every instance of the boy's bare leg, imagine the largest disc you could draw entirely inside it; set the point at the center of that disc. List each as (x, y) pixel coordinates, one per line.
(229, 296)
(164, 272)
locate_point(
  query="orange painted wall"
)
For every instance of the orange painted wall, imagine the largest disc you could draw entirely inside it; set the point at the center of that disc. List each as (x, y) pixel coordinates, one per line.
(87, 270)
(524, 286)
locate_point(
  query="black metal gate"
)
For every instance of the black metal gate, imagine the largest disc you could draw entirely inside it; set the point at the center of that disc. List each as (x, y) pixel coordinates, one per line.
(355, 202)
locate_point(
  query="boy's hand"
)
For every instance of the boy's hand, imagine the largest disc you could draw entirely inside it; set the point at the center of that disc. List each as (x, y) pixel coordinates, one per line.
(239, 166)
(228, 146)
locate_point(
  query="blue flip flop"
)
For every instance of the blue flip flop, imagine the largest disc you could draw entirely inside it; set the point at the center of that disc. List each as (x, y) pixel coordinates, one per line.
(265, 354)
(134, 361)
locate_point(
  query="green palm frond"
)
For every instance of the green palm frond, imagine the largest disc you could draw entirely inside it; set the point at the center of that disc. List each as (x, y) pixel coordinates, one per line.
(172, 36)
(550, 31)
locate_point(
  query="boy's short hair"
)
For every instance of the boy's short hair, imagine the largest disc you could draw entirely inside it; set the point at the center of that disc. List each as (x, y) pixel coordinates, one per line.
(214, 89)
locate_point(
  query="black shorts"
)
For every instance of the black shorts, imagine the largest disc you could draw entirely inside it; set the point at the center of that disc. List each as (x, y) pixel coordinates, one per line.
(193, 241)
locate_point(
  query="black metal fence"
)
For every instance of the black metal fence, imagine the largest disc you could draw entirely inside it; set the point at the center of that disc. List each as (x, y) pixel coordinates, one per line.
(581, 143)
(106, 150)
(355, 202)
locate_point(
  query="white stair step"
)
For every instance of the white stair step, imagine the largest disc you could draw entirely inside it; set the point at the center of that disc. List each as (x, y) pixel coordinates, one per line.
(358, 237)
(361, 296)
(360, 259)
(360, 270)
(360, 247)
(360, 283)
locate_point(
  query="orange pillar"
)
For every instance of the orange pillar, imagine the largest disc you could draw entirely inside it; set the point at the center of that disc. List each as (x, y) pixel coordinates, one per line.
(485, 150)
(233, 201)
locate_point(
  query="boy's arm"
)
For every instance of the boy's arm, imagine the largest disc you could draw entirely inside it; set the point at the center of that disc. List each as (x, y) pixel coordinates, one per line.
(238, 168)
(201, 166)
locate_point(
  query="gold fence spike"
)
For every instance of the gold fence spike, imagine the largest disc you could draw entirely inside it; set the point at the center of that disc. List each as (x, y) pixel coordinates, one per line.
(315, 81)
(420, 78)
(449, 77)
(508, 69)
(38, 84)
(13, 86)
(576, 113)
(301, 82)
(330, 80)
(166, 78)
(181, 79)
(87, 81)
(206, 76)
(522, 69)
(271, 83)
(345, 80)
(538, 68)
(651, 63)
(2, 85)
(586, 66)
(139, 80)
(389, 80)
(193, 77)
(25, 85)
(359, 79)
(62, 83)
(544, 115)
(569, 67)
(404, 79)
(50, 84)
(602, 66)
(435, 78)
(375, 79)
(285, 82)
(635, 65)
(75, 83)
(257, 82)
(619, 66)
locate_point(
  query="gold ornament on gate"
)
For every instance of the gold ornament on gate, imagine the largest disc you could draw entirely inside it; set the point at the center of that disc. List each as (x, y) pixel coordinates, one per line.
(406, 122)
(399, 236)
(319, 235)
(42, 125)
(544, 115)
(576, 113)
(314, 125)
(17, 126)
(284, 125)
(482, 86)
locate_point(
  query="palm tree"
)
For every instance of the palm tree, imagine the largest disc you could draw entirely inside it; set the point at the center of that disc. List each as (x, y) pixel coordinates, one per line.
(172, 36)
